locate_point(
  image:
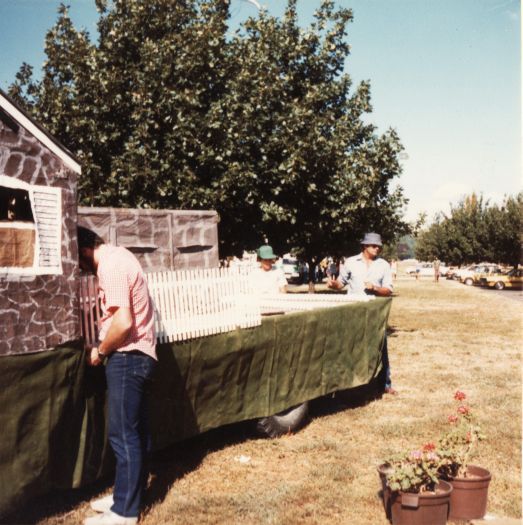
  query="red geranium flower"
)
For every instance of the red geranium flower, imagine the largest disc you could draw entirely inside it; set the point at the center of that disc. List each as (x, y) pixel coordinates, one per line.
(427, 447)
(453, 418)
(459, 395)
(463, 410)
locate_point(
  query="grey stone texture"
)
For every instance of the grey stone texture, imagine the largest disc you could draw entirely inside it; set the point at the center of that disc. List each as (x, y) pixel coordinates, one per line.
(160, 239)
(40, 312)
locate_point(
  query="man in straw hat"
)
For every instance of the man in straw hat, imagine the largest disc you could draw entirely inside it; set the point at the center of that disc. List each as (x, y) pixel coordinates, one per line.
(366, 273)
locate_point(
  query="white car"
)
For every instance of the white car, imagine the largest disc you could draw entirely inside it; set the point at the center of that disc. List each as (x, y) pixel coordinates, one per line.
(426, 270)
(468, 275)
(291, 268)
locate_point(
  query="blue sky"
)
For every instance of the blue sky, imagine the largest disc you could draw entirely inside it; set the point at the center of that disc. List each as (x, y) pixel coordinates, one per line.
(446, 74)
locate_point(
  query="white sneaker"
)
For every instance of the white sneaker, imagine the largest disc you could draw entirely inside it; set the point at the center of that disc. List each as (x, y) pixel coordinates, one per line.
(102, 504)
(110, 518)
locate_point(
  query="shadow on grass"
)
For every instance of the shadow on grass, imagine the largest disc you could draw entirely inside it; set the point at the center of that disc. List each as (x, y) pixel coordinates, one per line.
(392, 331)
(351, 398)
(173, 463)
(166, 466)
(58, 502)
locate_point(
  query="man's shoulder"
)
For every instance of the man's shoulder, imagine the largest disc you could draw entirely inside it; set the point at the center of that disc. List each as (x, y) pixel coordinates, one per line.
(354, 258)
(118, 258)
(382, 262)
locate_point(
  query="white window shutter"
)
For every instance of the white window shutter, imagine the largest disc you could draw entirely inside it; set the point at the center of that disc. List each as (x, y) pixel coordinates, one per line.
(47, 209)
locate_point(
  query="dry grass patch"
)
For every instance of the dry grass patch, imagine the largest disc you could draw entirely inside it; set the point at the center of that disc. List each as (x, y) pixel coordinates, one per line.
(442, 337)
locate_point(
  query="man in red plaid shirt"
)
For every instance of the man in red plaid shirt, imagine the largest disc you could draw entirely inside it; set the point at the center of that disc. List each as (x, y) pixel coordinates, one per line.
(128, 348)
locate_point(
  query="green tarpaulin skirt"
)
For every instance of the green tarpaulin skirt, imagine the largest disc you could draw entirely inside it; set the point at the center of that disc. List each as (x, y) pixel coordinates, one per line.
(53, 406)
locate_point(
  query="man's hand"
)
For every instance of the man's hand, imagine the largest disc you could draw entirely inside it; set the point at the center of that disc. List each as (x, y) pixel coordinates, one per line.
(373, 289)
(333, 283)
(92, 357)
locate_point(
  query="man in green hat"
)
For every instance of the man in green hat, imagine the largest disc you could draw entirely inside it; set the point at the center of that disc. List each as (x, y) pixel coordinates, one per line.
(267, 279)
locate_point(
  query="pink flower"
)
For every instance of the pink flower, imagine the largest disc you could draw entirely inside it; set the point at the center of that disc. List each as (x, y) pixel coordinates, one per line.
(453, 419)
(459, 395)
(416, 454)
(464, 410)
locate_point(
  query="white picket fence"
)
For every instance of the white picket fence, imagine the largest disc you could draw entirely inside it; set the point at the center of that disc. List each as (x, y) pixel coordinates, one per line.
(187, 303)
(196, 303)
(273, 303)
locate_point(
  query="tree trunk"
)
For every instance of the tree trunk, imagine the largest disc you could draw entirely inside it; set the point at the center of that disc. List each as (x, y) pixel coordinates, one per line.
(311, 265)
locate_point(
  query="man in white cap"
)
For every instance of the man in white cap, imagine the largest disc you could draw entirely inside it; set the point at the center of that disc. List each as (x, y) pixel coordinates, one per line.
(268, 279)
(366, 273)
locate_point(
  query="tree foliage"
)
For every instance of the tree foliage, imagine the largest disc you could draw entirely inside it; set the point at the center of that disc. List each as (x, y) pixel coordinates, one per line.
(169, 110)
(475, 231)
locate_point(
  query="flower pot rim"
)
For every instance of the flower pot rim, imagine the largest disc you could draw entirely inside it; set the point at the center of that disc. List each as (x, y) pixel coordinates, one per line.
(484, 475)
(431, 494)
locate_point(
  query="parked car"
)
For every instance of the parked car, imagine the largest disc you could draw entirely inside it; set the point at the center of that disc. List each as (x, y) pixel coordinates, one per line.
(426, 270)
(291, 269)
(512, 279)
(451, 272)
(456, 275)
(466, 276)
(492, 270)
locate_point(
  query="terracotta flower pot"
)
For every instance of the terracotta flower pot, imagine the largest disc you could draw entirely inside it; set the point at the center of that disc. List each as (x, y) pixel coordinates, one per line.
(469, 495)
(415, 509)
(385, 491)
(421, 509)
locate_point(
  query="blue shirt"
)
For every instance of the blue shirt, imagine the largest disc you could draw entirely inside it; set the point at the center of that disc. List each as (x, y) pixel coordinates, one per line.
(355, 273)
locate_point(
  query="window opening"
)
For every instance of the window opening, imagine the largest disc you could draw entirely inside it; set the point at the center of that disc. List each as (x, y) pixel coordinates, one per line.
(30, 228)
(15, 205)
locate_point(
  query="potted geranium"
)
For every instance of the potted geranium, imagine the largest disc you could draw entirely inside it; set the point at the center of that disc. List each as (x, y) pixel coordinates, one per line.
(412, 492)
(455, 449)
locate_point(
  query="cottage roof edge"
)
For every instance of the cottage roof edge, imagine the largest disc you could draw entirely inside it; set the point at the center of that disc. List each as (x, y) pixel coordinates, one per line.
(100, 210)
(26, 121)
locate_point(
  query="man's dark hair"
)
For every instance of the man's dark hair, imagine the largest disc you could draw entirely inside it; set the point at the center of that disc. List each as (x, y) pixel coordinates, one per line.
(88, 239)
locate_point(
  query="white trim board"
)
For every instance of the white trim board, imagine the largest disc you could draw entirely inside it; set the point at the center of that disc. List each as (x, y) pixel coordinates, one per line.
(32, 128)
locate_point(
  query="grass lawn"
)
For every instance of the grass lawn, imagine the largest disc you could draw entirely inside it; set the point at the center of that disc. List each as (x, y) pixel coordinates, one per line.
(443, 337)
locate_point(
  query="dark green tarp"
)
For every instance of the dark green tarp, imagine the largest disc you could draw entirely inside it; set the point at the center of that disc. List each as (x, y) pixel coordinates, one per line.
(53, 405)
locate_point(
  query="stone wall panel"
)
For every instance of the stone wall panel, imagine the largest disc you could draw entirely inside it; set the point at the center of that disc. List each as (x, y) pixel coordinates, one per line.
(160, 239)
(40, 312)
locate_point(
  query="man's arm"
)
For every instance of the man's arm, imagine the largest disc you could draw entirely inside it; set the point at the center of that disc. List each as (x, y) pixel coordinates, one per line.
(282, 282)
(380, 291)
(121, 324)
(342, 279)
(385, 288)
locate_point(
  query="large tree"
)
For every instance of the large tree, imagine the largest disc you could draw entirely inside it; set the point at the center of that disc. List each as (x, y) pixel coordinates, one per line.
(315, 175)
(475, 231)
(167, 110)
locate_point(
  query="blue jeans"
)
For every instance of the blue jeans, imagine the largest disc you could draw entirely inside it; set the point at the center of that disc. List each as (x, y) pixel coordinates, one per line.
(128, 374)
